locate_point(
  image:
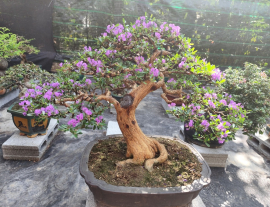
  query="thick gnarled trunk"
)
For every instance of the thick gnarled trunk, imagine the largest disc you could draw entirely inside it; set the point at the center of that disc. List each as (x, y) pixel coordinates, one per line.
(140, 147)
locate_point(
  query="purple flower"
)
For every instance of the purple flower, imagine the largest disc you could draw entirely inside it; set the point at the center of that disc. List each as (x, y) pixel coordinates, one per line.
(171, 80)
(26, 95)
(61, 64)
(190, 124)
(205, 124)
(172, 105)
(220, 127)
(71, 80)
(181, 64)
(139, 59)
(80, 117)
(88, 81)
(157, 35)
(87, 111)
(37, 112)
(207, 95)
(223, 102)
(242, 115)
(38, 93)
(211, 104)
(24, 113)
(73, 122)
(126, 77)
(56, 111)
(220, 140)
(99, 119)
(57, 94)
(219, 117)
(154, 72)
(39, 88)
(163, 61)
(54, 85)
(138, 70)
(188, 96)
(216, 75)
(214, 95)
(228, 123)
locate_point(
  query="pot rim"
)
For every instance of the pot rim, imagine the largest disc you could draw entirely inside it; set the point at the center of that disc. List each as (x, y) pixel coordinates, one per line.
(92, 181)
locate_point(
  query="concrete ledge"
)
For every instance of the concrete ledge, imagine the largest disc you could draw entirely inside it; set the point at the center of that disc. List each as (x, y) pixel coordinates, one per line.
(23, 148)
(9, 97)
(214, 157)
(260, 142)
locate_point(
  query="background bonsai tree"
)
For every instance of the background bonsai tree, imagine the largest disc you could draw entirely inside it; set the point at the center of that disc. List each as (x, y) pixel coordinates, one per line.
(251, 87)
(131, 58)
(20, 76)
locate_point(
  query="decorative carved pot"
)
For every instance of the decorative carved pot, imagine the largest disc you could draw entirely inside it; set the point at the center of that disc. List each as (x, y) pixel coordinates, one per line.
(107, 195)
(27, 124)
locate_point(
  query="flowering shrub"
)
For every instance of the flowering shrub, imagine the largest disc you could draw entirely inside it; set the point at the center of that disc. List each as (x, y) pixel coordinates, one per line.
(212, 116)
(44, 100)
(251, 87)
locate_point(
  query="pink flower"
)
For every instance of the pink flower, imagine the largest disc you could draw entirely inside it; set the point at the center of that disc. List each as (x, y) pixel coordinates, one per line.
(88, 81)
(38, 111)
(61, 64)
(138, 70)
(157, 35)
(99, 119)
(80, 117)
(181, 64)
(172, 105)
(154, 72)
(73, 122)
(163, 61)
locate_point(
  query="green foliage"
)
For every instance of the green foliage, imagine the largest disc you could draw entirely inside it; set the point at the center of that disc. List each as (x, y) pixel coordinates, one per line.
(18, 74)
(12, 45)
(251, 87)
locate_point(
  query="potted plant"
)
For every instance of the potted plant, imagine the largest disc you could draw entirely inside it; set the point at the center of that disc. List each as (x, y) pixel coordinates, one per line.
(12, 45)
(127, 58)
(251, 87)
(21, 76)
(210, 119)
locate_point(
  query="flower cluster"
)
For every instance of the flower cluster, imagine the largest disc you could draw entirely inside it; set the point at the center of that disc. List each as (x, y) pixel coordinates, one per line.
(213, 117)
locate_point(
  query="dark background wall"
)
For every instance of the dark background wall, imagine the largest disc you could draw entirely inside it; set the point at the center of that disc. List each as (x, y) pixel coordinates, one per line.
(33, 20)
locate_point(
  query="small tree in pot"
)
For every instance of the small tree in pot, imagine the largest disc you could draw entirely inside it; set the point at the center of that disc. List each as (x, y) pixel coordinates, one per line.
(12, 45)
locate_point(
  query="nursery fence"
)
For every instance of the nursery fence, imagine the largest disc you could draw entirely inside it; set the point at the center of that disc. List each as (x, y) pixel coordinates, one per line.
(226, 32)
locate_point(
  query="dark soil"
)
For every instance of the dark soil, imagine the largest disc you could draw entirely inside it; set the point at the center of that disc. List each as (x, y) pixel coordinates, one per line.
(181, 168)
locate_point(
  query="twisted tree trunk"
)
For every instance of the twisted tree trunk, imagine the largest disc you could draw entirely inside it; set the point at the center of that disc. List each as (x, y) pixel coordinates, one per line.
(139, 146)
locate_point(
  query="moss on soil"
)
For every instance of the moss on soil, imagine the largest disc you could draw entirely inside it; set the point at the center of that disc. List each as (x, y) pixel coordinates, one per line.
(181, 168)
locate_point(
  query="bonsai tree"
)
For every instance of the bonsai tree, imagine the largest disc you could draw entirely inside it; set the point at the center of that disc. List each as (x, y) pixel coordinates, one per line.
(12, 45)
(20, 76)
(133, 58)
(251, 87)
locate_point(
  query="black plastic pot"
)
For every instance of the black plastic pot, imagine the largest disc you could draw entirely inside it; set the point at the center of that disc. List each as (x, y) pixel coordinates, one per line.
(189, 138)
(119, 196)
(118, 98)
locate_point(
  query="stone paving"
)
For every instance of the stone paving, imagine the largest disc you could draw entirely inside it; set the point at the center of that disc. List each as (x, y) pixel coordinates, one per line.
(55, 181)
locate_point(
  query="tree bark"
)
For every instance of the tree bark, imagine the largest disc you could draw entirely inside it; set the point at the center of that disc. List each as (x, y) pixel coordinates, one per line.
(139, 146)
